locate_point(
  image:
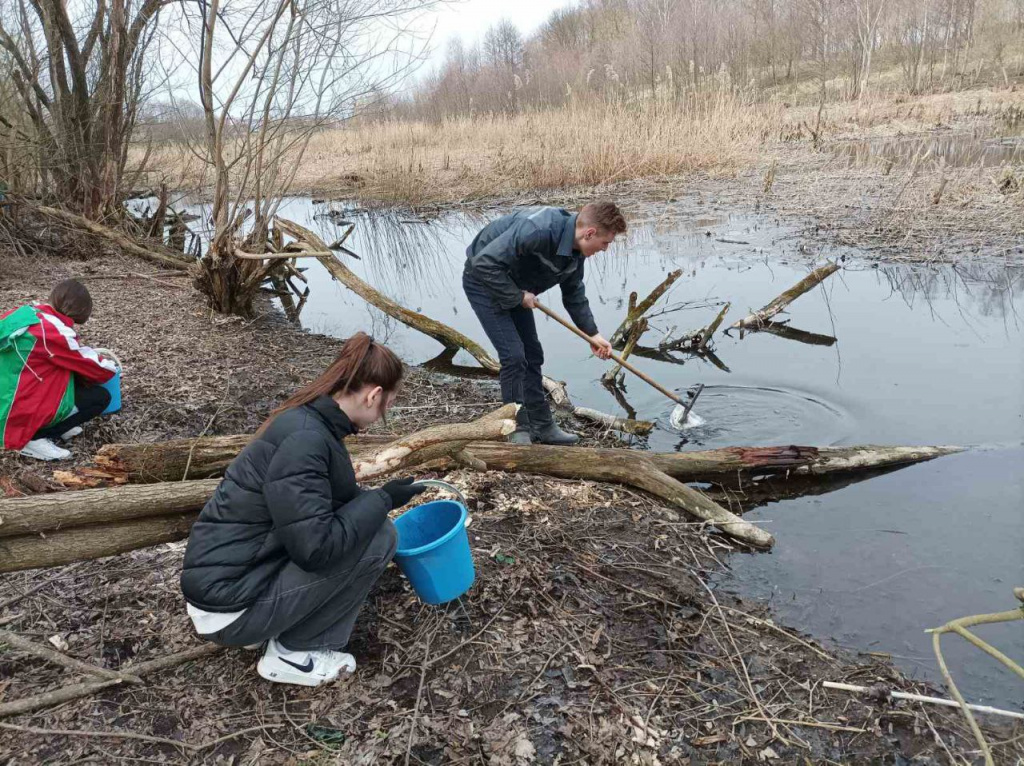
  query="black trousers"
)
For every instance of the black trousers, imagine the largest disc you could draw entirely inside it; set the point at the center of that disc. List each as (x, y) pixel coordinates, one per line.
(513, 333)
(313, 610)
(90, 401)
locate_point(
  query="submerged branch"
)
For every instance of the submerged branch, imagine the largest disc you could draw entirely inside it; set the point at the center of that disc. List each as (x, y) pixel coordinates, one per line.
(758, 318)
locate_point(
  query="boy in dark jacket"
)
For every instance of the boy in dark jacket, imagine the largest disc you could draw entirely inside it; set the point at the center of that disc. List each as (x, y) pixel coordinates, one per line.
(512, 260)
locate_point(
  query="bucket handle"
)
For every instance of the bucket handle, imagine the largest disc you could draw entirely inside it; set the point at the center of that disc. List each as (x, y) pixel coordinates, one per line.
(110, 355)
(444, 485)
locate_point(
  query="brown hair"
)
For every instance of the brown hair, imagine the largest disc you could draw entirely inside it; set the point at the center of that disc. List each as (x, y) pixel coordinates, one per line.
(72, 299)
(361, 361)
(604, 215)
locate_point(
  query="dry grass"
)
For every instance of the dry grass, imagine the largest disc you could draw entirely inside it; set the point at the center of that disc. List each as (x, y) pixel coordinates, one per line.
(880, 115)
(462, 159)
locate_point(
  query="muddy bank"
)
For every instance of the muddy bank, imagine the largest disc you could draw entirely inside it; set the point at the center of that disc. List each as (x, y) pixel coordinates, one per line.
(589, 635)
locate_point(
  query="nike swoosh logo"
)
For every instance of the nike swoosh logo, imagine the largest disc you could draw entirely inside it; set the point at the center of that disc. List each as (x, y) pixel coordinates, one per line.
(307, 668)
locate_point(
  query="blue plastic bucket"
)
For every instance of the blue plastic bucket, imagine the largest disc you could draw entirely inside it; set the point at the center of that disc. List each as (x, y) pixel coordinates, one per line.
(433, 550)
(113, 386)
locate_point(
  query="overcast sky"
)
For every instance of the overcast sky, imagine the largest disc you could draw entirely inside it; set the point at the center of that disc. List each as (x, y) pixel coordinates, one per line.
(469, 19)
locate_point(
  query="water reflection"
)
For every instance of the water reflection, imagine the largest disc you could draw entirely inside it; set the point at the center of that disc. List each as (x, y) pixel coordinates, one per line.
(990, 288)
(957, 150)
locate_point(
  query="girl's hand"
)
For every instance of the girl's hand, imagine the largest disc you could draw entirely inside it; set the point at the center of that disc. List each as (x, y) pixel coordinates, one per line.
(402, 491)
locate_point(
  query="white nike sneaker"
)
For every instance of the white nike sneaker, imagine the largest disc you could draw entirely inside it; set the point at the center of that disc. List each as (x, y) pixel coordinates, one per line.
(284, 666)
(71, 433)
(44, 449)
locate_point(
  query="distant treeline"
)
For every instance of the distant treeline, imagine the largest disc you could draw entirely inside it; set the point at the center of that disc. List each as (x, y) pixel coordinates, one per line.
(804, 49)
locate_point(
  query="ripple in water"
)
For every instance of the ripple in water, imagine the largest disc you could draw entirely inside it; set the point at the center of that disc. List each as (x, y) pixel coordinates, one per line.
(729, 415)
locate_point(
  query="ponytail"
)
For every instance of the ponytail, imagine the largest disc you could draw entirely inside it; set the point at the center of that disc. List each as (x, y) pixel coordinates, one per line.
(361, 361)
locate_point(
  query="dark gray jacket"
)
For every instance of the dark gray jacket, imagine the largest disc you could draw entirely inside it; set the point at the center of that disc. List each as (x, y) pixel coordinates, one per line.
(290, 496)
(531, 250)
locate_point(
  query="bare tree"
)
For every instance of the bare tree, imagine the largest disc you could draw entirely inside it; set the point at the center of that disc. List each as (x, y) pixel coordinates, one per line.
(503, 49)
(79, 81)
(869, 15)
(270, 75)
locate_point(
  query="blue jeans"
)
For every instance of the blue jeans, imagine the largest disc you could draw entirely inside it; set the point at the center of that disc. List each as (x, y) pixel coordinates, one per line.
(513, 333)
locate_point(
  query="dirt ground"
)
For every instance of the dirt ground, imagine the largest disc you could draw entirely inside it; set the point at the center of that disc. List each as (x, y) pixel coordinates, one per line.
(590, 636)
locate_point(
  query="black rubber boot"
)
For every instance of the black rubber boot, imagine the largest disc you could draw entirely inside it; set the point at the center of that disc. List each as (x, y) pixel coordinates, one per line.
(552, 434)
(520, 436)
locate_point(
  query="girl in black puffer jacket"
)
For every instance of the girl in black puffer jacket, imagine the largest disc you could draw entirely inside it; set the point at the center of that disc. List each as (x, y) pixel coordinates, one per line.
(289, 546)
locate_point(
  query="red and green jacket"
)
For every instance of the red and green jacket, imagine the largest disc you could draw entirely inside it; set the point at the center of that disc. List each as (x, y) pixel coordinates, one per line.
(39, 351)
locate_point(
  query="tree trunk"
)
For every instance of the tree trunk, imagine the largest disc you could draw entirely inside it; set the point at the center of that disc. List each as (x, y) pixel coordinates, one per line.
(51, 513)
(123, 518)
(112, 522)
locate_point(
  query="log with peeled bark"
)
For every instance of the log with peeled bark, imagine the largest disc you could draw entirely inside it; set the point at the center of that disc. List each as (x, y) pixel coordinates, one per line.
(105, 537)
(659, 474)
(560, 396)
(48, 530)
(210, 456)
(813, 279)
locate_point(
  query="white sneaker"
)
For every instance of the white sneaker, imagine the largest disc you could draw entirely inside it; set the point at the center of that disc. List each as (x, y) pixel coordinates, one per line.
(303, 668)
(44, 449)
(71, 433)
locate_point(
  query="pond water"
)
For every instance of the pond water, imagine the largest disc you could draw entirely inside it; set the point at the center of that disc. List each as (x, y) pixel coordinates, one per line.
(897, 355)
(952, 150)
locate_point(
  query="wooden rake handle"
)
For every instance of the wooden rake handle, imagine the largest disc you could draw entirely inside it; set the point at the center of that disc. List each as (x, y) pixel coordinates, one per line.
(615, 356)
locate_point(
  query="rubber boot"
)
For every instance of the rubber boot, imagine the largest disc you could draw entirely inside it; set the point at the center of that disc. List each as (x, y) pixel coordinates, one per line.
(521, 435)
(552, 434)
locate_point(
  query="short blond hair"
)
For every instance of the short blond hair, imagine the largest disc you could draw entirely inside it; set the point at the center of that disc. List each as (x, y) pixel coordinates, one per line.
(604, 215)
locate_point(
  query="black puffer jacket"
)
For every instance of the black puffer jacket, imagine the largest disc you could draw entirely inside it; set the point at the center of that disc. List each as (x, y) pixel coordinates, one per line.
(531, 249)
(291, 495)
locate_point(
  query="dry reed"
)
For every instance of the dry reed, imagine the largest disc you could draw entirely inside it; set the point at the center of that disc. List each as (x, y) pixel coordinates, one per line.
(584, 144)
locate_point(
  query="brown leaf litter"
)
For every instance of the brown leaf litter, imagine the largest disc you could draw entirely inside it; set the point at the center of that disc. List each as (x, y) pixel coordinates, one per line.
(590, 636)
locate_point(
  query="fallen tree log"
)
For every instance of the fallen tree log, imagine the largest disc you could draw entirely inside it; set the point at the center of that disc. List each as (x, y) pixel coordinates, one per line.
(49, 514)
(210, 456)
(115, 526)
(95, 541)
(560, 396)
(447, 336)
(48, 530)
(813, 279)
(151, 253)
